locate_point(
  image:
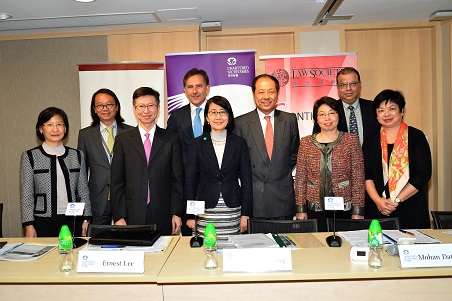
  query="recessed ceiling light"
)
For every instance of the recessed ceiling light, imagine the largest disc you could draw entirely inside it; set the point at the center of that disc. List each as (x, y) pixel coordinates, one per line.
(85, 1)
(5, 16)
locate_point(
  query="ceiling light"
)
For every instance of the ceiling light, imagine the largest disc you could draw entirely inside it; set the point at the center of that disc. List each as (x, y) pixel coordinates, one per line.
(85, 1)
(5, 16)
(441, 15)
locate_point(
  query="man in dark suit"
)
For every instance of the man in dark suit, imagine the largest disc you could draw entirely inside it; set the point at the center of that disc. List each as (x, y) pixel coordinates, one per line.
(273, 139)
(97, 145)
(358, 115)
(147, 171)
(182, 121)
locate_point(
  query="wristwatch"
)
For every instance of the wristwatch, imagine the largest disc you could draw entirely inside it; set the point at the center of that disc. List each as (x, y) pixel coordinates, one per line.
(397, 200)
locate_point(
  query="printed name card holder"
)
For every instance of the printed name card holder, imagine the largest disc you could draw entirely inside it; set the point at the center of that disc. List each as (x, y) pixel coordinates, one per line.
(114, 261)
(257, 260)
(425, 255)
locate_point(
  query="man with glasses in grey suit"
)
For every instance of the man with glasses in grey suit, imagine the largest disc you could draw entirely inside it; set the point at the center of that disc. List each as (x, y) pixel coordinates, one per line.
(96, 142)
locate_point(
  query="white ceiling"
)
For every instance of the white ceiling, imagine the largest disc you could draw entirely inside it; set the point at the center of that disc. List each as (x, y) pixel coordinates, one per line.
(38, 16)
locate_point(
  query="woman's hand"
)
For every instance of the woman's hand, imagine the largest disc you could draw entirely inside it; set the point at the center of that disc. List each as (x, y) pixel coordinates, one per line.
(85, 228)
(244, 223)
(302, 216)
(385, 206)
(354, 216)
(190, 223)
(121, 222)
(30, 232)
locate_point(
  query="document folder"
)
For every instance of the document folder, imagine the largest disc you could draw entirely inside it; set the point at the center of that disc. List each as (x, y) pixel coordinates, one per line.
(130, 235)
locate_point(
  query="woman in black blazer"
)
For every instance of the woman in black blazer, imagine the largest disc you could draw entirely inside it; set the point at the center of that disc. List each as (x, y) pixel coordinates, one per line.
(216, 161)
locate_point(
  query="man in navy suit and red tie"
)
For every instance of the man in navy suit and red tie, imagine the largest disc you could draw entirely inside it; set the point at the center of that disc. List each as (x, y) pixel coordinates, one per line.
(147, 173)
(187, 122)
(272, 137)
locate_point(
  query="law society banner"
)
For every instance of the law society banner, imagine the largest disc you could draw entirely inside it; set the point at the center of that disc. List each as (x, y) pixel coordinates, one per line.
(304, 79)
(122, 79)
(230, 75)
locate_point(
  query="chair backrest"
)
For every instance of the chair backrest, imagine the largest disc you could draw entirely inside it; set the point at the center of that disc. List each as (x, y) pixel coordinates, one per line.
(343, 224)
(442, 219)
(1, 219)
(282, 226)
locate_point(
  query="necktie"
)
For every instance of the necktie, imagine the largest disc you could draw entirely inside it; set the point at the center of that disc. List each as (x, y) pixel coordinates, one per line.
(197, 126)
(353, 125)
(147, 151)
(269, 137)
(110, 138)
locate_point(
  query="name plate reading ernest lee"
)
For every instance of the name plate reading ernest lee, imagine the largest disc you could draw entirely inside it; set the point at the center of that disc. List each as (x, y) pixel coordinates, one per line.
(425, 256)
(110, 262)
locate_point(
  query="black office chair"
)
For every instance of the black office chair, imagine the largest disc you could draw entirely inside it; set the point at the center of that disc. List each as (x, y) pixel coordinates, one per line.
(343, 224)
(442, 219)
(1, 219)
(282, 226)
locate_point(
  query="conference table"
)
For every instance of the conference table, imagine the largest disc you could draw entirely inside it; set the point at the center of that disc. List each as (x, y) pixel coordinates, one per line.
(42, 280)
(178, 273)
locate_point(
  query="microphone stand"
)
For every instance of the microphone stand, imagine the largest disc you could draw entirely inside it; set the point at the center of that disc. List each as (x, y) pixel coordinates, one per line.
(196, 241)
(334, 241)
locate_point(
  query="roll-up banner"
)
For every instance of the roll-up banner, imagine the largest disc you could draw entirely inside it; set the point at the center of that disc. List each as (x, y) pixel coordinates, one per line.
(122, 79)
(230, 75)
(305, 78)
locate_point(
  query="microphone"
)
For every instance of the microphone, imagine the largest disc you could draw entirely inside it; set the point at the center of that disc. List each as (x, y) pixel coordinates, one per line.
(196, 241)
(334, 241)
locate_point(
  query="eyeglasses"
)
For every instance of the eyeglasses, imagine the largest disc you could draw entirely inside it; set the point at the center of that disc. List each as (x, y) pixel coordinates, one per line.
(215, 113)
(141, 108)
(351, 84)
(330, 115)
(101, 106)
(52, 125)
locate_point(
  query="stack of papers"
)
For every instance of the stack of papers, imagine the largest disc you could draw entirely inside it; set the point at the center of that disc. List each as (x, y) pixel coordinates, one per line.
(24, 252)
(359, 237)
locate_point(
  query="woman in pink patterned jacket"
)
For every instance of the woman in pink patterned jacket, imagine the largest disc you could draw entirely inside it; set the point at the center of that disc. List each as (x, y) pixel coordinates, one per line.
(329, 163)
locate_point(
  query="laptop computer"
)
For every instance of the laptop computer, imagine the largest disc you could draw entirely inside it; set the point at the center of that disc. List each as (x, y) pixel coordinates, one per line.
(130, 235)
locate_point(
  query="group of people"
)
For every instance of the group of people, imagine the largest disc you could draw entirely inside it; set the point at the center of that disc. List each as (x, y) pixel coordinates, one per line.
(241, 167)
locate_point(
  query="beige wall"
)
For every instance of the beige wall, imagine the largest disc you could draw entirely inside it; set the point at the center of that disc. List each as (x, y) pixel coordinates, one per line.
(39, 71)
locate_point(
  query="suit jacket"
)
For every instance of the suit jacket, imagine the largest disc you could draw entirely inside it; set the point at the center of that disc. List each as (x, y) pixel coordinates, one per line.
(130, 175)
(98, 164)
(38, 183)
(180, 123)
(205, 179)
(371, 127)
(273, 190)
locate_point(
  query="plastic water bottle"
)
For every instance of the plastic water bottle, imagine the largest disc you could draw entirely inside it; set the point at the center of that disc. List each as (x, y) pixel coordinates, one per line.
(65, 247)
(210, 246)
(375, 239)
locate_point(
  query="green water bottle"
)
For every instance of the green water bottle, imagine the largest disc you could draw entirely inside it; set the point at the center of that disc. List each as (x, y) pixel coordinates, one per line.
(375, 239)
(210, 246)
(65, 247)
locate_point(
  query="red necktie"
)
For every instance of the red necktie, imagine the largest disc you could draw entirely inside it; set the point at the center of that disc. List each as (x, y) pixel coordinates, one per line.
(269, 137)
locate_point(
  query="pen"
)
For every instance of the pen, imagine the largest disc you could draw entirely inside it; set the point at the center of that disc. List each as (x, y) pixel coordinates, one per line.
(390, 239)
(407, 232)
(113, 246)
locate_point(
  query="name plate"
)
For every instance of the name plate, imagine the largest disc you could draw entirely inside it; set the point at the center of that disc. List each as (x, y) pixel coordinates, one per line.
(257, 260)
(110, 262)
(425, 256)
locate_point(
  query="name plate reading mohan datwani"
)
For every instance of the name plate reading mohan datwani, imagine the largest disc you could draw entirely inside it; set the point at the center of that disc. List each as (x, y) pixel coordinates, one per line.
(425, 256)
(110, 262)
(257, 260)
